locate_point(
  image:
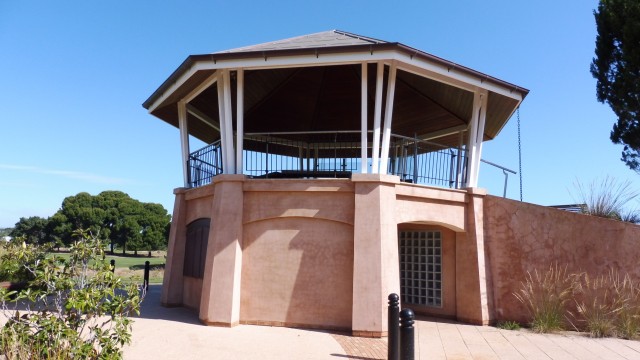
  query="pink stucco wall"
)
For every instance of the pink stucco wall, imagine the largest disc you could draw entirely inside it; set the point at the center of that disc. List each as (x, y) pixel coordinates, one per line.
(298, 254)
(521, 237)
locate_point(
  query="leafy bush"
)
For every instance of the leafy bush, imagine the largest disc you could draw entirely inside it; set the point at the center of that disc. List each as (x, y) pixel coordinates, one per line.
(72, 309)
(545, 295)
(11, 266)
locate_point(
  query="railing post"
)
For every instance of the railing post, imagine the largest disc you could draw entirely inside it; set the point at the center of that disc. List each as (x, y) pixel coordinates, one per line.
(407, 346)
(415, 159)
(113, 265)
(393, 347)
(145, 282)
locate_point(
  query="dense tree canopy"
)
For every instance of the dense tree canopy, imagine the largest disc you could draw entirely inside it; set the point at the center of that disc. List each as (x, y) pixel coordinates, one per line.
(616, 68)
(112, 215)
(31, 228)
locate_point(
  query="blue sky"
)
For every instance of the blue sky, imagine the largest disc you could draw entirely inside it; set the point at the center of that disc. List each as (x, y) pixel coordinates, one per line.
(73, 76)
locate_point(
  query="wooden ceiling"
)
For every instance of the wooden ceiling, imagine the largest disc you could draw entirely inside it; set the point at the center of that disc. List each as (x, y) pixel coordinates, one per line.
(327, 98)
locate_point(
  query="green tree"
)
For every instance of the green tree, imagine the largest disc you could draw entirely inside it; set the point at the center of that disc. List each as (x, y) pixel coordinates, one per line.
(616, 68)
(32, 229)
(73, 309)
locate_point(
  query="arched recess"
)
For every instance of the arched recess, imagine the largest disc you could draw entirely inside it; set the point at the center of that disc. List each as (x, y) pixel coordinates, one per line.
(427, 261)
(195, 256)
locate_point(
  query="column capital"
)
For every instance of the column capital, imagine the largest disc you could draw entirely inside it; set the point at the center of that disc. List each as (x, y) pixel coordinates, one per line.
(377, 178)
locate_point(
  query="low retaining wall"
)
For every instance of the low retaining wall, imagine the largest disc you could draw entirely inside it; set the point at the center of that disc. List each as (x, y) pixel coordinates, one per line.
(521, 237)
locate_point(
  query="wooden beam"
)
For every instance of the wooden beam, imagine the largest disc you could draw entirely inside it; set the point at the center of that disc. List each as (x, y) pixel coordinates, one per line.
(375, 148)
(223, 125)
(239, 119)
(200, 88)
(443, 132)
(388, 119)
(363, 119)
(203, 117)
(228, 122)
(184, 141)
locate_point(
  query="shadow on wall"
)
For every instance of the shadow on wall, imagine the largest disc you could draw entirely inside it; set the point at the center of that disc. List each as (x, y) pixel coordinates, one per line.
(298, 271)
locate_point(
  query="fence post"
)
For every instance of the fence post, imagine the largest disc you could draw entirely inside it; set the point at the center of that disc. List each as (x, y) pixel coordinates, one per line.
(113, 265)
(393, 352)
(407, 346)
(145, 282)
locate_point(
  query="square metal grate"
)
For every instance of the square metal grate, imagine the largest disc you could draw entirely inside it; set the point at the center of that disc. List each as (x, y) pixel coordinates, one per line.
(421, 267)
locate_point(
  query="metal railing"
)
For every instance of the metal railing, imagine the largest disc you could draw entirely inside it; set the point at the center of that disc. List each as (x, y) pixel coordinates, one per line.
(424, 162)
(301, 155)
(204, 164)
(332, 154)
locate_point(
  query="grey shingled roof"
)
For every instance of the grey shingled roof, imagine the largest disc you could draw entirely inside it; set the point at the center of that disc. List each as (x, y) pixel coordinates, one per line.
(331, 38)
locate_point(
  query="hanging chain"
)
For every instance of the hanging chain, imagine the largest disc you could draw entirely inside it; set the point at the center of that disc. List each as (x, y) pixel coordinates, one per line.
(519, 152)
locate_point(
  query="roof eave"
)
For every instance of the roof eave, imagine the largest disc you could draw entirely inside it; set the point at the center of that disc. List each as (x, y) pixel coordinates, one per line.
(192, 59)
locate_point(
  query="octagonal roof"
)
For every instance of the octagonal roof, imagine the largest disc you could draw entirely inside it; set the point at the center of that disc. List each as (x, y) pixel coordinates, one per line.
(312, 83)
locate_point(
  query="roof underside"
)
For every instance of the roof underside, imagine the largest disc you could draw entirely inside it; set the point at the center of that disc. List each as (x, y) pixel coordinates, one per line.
(327, 98)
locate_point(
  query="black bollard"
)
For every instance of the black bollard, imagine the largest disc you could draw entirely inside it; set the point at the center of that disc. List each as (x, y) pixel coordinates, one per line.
(407, 345)
(394, 328)
(113, 265)
(145, 283)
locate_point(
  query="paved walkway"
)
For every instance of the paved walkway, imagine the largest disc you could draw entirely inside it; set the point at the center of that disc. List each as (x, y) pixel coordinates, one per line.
(161, 333)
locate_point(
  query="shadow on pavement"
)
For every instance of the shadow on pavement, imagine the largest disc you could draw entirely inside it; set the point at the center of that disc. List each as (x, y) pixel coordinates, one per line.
(151, 309)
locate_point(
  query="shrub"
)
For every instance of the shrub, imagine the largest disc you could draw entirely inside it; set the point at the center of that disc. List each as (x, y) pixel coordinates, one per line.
(11, 267)
(545, 295)
(72, 309)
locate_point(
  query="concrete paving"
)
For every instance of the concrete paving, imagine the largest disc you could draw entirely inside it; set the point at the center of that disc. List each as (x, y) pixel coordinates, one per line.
(175, 333)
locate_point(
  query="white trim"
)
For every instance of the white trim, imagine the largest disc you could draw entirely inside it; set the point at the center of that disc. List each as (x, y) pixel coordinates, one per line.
(476, 135)
(239, 119)
(444, 132)
(480, 134)
(200, 88)
(363, 119)
(184, 141)
(228, 123)
(471, 141)
(415, 64)
(375, 147)
(223, 125)
(388, 119)
(202, 117)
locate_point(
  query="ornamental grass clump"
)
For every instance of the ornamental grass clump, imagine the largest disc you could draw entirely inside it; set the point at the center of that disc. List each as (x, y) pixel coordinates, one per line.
(608, 198)
(628, 319)
(75, 309)
(598, 307)
(545, 295)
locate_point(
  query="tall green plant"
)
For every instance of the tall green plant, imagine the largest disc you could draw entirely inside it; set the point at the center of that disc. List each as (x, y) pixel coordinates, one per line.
(72, 310)
(545, 295)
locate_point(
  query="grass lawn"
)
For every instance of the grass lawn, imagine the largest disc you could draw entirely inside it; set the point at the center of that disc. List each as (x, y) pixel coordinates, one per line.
(131, 268)
(129, 261)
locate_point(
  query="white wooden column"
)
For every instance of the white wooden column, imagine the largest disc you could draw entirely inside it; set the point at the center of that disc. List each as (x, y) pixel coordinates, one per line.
(228, 123)
(388, 118)
(363, 120)
(375, 147)
(239, 120)
(221, 115)
(184, 140)
(476, 134)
